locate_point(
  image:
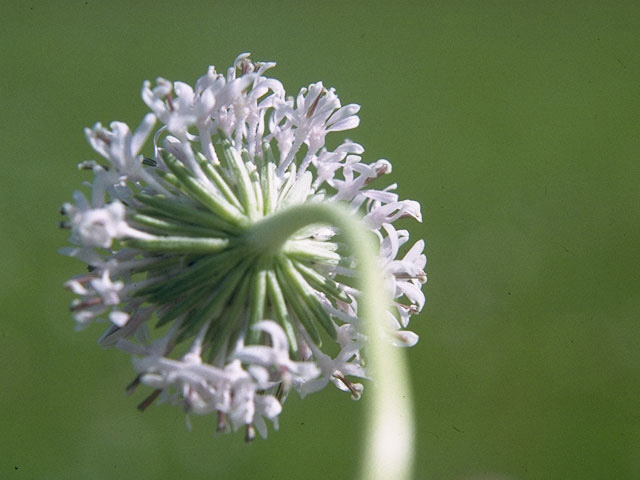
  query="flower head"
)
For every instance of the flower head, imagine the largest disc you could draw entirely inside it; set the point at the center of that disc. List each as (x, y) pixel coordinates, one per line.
(218, 320)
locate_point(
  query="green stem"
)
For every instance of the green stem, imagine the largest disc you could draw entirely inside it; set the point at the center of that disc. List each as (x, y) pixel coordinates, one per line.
(388, 452)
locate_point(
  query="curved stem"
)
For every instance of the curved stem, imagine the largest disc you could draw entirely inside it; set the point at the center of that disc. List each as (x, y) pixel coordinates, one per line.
(388, 452)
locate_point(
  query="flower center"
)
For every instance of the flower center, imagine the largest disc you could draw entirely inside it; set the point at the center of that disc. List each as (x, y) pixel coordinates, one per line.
(221, 264)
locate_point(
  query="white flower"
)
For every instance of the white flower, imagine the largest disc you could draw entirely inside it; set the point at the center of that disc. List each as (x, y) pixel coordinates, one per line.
(168, 239)
(406, 275)
(99, 295)
(95, 227)
(180, 112)
(119, 146)
(317, 112)
(346, 364)
(276, 356)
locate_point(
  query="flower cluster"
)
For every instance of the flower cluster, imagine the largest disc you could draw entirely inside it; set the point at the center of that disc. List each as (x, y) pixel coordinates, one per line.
(216, 323)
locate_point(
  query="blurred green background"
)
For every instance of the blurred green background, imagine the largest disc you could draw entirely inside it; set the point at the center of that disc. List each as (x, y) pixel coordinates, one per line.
(515, 124)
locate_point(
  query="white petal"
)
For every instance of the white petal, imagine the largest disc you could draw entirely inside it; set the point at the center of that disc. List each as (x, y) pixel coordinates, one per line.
(119, 318)
(404, 338)
(260, 375)
(142, 133)
(344, 112)
(268, 406)
(275, 331)
(346, 124)
(299, 191)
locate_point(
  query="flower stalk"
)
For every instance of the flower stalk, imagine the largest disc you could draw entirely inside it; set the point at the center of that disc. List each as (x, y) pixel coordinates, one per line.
(388, 448)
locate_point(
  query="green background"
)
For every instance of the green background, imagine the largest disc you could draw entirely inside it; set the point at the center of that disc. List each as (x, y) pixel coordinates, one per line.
(515, 124)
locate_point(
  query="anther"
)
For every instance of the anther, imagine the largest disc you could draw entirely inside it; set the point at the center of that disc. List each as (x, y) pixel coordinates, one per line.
(87, 165)
(379, 172)
(133, 385)
(91, 302)
(170, 101)
(150, 162)
(383, 170)
(354, 392)
(186, 404)
(245, 66)
(420, 276)
(409, 308)
(313, 106)
(222, 422)
(149, 400)
(103, 137)
(279, 391)
(81, 279)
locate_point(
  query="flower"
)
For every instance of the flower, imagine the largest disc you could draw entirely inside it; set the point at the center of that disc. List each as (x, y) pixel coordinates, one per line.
(216, 320)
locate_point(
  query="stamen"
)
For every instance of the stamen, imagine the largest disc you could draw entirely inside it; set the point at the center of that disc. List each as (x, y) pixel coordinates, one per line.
(421, 276)
(133, 385)
(222, 422)
(409, 308)
(279, 391)
(245, 66)
(103, 137)
(313, 106)
(82, 279)
(170, 101)
(251, 433)
(150, 162)
(91, 164)
(91, 302)
(149, 400)
(383, 170)
(186, 404)
(355, 394)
